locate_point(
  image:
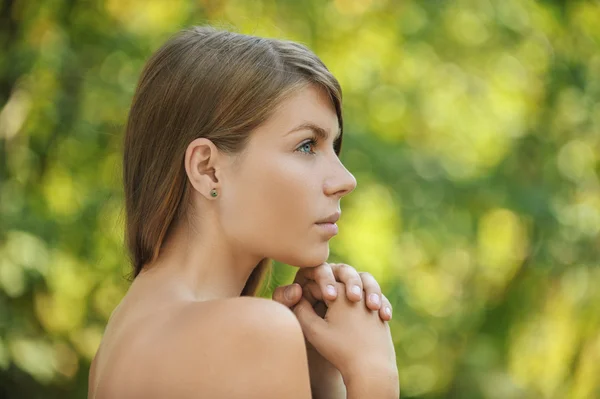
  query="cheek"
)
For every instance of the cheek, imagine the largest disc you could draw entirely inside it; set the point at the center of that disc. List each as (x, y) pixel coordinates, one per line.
(273, 208)
(290, 196)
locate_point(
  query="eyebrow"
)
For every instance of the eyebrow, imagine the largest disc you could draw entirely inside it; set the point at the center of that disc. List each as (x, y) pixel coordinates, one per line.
(318, 130)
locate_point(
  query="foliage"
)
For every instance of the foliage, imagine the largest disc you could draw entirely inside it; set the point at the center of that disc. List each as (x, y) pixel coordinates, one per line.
(472, 126)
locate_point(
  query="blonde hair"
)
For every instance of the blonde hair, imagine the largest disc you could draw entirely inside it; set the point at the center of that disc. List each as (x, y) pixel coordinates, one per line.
(203, 82)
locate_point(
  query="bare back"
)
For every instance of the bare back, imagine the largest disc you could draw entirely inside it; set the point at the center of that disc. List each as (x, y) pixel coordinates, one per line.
(226, 348)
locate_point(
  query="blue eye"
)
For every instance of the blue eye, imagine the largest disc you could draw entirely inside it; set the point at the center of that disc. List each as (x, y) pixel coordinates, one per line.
(311, 142)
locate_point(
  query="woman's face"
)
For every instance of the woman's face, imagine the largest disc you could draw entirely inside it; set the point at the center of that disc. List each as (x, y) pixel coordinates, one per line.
(284, 183)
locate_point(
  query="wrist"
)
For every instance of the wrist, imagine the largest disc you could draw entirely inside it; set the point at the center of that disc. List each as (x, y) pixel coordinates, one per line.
(380, 383)
(326, 381)
(332, 389)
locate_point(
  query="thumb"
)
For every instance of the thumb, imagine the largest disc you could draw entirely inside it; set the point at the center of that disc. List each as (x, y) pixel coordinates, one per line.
(288, 294)
(312, 325)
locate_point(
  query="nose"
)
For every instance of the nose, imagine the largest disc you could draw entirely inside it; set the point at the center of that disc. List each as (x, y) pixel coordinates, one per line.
(341, 183)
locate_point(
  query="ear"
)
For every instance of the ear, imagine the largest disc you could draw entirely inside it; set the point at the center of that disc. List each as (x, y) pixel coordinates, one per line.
(201, 159)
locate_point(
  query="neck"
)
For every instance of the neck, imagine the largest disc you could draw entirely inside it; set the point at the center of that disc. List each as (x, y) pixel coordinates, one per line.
(197, 263)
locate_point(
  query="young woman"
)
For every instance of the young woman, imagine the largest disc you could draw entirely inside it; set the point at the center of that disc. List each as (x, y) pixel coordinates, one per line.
(231, 158)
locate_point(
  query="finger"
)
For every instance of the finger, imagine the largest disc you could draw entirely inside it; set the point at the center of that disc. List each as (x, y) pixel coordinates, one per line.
(312, 325)
(320, 309)
(323, 275)
(385, 304)
(350, 277)
(289, 295)
(312, 292)
(372, 290)
(306, 274)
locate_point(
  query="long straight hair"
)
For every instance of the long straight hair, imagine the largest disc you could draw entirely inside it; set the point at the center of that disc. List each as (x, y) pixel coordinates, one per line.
(211, 83)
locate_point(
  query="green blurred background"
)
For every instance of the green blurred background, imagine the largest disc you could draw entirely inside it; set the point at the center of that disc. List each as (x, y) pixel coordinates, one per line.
(472, 126)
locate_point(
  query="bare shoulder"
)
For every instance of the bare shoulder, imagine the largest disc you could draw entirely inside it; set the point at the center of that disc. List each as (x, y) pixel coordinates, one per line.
(261, 349)
(263, 316)
(241, 347)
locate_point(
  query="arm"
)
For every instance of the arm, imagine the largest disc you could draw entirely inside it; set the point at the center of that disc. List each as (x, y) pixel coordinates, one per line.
(92, 379)
(327, 384)
(372, 385)
(326, 381)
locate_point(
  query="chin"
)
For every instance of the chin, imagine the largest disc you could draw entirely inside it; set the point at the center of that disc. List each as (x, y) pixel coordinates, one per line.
(311, 259)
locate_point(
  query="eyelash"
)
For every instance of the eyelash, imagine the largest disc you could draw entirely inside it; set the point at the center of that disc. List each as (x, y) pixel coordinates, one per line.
(314, 141)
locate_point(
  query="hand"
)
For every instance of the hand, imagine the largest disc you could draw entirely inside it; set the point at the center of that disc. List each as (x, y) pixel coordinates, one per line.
(311, 283)
(353, 339)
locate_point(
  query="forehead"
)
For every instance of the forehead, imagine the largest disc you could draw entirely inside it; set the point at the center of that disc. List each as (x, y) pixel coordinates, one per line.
(310, 104)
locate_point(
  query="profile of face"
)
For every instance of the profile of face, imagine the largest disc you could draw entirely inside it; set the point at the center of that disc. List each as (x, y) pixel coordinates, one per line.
(284, 183)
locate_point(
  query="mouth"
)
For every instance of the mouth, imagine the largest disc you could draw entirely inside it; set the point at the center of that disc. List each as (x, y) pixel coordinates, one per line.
(331, 218)
(329, 228)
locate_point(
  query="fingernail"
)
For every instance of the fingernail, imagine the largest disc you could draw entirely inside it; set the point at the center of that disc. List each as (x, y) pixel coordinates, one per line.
(388, 311)
(356, 289)
(331, 290)
(288, 293)
(374, 298)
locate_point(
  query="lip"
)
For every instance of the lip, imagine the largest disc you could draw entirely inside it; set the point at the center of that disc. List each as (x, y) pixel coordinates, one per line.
(331, 218)
(329, 228)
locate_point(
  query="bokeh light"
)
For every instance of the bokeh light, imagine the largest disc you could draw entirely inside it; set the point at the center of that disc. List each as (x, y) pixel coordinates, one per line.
(472, 127)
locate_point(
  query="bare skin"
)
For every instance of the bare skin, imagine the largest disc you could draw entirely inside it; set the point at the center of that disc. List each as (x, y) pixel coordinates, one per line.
(269, 201)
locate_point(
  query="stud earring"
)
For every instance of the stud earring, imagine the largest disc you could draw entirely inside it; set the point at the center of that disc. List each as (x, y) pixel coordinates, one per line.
(213, 192)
